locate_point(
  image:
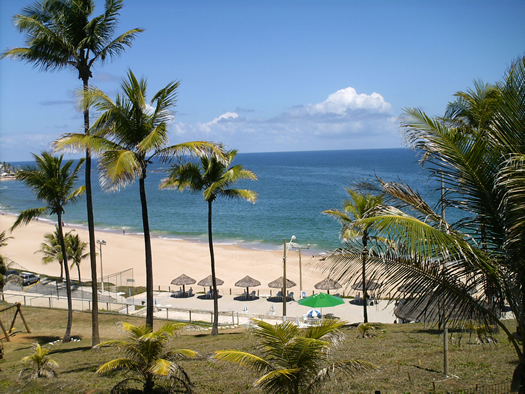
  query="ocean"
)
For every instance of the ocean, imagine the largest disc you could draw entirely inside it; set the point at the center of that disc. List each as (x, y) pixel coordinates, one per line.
(293, 187)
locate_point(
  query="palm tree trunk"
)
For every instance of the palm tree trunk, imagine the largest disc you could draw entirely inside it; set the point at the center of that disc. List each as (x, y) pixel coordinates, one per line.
(67, 335)
(95, 336)
(61, 262)
(215, 328)
(365, 295)
(147, 247)
(79, 279)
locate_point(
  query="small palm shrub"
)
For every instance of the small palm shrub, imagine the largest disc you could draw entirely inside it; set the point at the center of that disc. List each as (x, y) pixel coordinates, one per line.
(364, 329)
(41, 366)
(148, 355)
(294, 360)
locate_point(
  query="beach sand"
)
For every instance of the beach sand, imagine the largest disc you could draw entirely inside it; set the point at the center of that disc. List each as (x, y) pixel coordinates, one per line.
(171, 258)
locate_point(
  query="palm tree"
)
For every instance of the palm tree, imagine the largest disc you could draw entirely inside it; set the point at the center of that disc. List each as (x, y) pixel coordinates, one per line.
(294, 360)
(76, 251)
(129, 135)
(214, 178)
(53, 183)
(353, 210)
(147, 353)
(41, 365)
(63, 34)
(52, 250)
(3, 262)
(484, 174)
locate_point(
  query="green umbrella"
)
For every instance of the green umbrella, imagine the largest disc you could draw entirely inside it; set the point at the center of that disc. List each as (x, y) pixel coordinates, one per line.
(321, 300)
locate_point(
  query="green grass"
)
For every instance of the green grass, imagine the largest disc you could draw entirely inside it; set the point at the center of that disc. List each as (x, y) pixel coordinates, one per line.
(409, 358)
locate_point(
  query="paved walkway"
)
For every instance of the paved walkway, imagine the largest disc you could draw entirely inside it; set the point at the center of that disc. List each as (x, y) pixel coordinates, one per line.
(234, 310)
(261, 308)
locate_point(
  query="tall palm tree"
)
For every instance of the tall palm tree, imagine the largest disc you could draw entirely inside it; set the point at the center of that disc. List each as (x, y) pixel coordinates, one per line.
(214, 178)
(54, 183)
(484, 174)
(63, 34)
(52, 250)
(147, 353)
(355, 209)
(76, 251)
(294, 360)
(129, 135)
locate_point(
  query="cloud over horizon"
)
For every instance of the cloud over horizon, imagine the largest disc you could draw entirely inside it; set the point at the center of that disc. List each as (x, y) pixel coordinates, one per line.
(345, 120)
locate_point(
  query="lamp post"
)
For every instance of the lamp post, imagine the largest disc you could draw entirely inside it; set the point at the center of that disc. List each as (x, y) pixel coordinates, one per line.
(284, 276)
(299, 247)
(101, 242)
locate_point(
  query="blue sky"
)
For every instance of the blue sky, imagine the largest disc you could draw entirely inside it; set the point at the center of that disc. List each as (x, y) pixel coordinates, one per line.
(265, 76)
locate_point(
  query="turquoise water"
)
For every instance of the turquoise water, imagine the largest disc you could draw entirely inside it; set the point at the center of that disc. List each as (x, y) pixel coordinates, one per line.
(293, 187)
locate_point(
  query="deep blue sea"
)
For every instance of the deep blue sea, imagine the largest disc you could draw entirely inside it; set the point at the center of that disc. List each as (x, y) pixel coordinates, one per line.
(294, 188)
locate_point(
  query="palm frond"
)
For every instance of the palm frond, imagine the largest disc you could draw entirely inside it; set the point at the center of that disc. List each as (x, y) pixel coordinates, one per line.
(26, 216)
(251, 361)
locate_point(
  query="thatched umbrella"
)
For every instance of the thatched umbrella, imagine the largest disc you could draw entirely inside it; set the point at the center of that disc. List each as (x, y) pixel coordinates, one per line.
(370, 285)
(247, 282)
(183, 280)
(208, 282)
(328, 284)
(278, 283)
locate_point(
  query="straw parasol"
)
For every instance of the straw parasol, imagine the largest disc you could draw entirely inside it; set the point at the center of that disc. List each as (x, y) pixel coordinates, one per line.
(183, 280)
(370, 285)
(278, 283)
(247, 282)
(328, 284)
(207, 282)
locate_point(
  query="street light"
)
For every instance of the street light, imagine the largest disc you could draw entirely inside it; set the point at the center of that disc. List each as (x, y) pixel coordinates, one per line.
(284, 276)
(101, 242)
(299, 247)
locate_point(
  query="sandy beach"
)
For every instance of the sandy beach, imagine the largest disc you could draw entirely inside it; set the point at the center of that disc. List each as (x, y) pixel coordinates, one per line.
(171, 258)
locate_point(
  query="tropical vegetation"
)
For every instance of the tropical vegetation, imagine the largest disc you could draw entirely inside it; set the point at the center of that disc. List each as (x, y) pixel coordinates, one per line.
(52, 251)
(352, 228)
(148, 354)
(41, 366)
(292, 359)
(475, 265)
(128, 135)
(3, 260)
(54, 183)
(214, 178)
(64, 34)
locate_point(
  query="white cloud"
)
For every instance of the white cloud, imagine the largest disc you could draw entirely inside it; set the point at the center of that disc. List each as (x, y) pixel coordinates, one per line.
(345, 120)
(346, 100)
(227, 116)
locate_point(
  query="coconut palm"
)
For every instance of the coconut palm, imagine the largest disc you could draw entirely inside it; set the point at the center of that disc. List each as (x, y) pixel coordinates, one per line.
(484, 176)
(3, 262)
(294, 360)
(63, 34)
(41, 365)
(52, 251)
(214, 178)
(147, 353)
(129, 134)
(354, 209)
(76, 251)
(54, 183)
